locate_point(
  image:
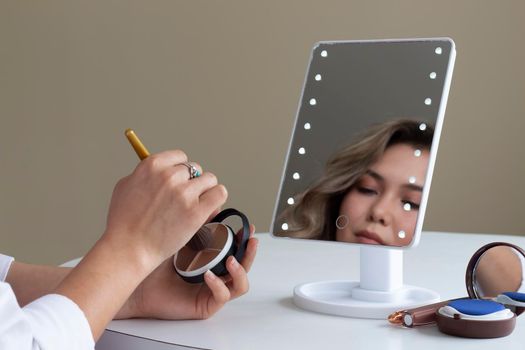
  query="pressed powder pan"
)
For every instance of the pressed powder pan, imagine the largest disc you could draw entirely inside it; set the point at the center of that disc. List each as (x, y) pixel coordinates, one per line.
(210, 247)
(191, 263)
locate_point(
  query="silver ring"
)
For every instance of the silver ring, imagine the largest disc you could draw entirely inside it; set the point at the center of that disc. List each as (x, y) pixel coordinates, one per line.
(194, 172)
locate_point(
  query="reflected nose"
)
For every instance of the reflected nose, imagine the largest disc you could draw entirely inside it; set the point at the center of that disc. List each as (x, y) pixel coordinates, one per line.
(381, 212)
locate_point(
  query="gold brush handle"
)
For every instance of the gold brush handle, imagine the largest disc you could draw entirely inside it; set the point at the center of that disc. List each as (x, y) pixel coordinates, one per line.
(137, 145)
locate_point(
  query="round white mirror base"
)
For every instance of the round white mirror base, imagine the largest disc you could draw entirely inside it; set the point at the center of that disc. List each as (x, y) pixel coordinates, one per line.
(379, 293)
(343, 298)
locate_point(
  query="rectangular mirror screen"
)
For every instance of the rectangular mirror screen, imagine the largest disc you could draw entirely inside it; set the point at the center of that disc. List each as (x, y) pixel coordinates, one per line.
(365, 139)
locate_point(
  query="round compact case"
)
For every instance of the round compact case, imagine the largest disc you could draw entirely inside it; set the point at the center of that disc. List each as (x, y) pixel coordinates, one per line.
(495, 281)
(209, 248)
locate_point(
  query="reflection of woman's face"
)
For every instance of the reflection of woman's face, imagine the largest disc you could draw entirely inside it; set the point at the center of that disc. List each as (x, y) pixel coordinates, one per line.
(382, 206)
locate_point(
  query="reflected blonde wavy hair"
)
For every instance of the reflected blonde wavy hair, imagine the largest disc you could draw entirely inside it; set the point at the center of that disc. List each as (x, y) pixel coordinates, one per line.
(316, 209)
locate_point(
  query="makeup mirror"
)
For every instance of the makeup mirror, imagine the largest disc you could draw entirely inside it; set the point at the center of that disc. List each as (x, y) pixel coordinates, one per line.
(360, 161)
(498, 270)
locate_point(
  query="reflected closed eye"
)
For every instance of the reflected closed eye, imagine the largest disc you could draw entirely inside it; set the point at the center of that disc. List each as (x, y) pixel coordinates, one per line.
(366, 190)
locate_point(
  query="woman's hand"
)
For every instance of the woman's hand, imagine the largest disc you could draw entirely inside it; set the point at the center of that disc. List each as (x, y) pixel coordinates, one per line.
(153, 213)
(165, 295)
(158, 208)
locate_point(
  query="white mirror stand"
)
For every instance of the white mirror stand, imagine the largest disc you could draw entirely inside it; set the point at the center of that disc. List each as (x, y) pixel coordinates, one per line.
(379, 293)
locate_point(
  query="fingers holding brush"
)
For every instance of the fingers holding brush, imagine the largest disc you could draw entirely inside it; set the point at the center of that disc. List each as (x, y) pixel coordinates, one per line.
(213, 198)
(188, 170)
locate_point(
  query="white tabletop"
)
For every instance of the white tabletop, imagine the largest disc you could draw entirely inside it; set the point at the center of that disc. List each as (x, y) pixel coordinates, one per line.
(266, 317)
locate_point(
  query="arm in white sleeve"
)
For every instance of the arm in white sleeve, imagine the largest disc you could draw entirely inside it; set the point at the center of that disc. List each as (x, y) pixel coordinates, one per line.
(5, 264)
(51, 322)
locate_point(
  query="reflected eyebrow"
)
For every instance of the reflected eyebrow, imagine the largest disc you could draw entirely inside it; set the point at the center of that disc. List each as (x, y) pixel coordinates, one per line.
(413, 187)
(380, 178)
(375, 175)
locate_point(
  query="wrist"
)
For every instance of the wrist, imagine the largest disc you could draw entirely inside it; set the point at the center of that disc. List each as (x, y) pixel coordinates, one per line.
(128, 249)
(128, 310)
(142, 260)
(104, 280)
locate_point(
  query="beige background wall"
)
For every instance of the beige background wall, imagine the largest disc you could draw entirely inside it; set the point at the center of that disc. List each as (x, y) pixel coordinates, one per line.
(222, 80)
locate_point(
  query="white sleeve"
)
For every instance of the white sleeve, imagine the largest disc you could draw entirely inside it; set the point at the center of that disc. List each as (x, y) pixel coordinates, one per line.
(52, 322)
(5, 263)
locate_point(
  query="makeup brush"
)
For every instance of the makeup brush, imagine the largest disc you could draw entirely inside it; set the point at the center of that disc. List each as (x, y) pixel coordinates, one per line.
(137, 145)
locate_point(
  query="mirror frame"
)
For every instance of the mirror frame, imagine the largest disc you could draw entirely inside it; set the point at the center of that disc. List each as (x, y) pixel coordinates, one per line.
(433, 151)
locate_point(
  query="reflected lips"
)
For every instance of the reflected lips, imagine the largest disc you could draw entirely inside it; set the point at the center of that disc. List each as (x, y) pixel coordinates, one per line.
(368, 237)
